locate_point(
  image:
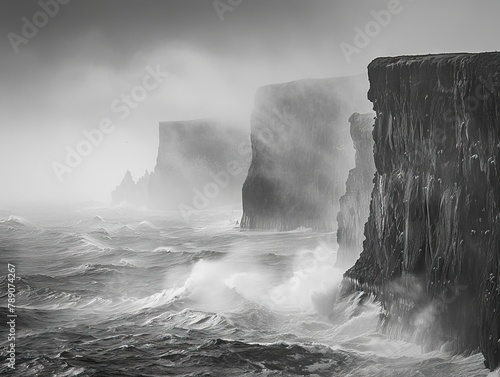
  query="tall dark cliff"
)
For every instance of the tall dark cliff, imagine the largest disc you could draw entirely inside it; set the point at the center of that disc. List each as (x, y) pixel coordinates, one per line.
(201, 164)
(432, 249)
(301, 153)
(355, 203)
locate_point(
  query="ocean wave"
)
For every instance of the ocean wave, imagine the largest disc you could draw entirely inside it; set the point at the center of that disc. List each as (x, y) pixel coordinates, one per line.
(15, 220)
(158, 297)
(19, 226)
(285, 359)
(96, 220)
(148, 225)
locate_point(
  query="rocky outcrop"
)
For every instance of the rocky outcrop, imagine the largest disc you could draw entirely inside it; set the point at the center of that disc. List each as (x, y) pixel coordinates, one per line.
(432, 248)
(301, 153)
(355, 203)
(130, 192)
(201, 164)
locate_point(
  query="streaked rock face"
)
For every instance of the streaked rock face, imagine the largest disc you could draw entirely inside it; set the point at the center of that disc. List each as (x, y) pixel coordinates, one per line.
(355, 203)
(301, 153)
(432, 249)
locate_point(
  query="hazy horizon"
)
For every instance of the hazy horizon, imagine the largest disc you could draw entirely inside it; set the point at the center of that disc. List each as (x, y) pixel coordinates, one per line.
(64, 80)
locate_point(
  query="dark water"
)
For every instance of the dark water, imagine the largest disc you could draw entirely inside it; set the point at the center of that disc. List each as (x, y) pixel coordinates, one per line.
(129, 293)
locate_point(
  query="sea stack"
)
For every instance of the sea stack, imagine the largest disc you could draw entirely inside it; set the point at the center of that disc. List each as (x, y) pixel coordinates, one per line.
(130, 192)
(355, 203)
(301, 153)
(432, 248)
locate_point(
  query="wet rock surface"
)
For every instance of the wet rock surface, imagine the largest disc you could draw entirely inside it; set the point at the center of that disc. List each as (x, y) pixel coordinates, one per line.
(355, 203)
(432, 248)
(301, 153)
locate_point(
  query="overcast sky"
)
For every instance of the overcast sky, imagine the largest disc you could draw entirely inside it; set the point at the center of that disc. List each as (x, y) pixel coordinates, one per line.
(64, 79)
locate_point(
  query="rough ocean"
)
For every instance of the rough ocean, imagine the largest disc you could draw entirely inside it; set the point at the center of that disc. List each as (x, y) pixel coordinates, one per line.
(121, 292)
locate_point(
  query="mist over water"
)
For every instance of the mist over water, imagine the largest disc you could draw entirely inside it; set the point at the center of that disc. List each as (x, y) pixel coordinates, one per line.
(118, 291)
(128, 292)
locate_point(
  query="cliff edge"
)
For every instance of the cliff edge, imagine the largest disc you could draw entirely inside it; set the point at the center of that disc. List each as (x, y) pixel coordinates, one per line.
(201, 164)
(432, 248)
(355, 203)
(301, 153)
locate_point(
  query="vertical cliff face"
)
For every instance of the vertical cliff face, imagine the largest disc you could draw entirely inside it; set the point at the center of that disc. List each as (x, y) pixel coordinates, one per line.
(301, 153)
(201, 164)
(130, 192)
(432, 249)
(355, 203)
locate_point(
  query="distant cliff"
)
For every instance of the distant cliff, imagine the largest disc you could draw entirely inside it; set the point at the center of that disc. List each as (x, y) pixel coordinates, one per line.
(432, 249)
(130, 192)
(355, 203)
(201, 164)
(301, 153)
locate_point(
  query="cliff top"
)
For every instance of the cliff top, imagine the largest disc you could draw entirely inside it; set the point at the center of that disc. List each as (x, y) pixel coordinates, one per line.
(204, 127)
(194, 122)
(405, 59)
(432, 66)
(314, 83)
